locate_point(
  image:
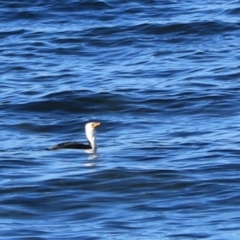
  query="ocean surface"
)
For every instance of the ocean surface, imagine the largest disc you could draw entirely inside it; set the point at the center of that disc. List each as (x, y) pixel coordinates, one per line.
(162, 77)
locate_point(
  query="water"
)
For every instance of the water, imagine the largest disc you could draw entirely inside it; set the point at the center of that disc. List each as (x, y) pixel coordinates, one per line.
(162, 77)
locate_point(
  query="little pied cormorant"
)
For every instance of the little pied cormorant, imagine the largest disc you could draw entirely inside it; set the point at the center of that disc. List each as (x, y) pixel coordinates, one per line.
(90, 131)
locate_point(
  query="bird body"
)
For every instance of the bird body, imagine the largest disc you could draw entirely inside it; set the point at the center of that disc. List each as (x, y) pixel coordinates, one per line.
(90, 131)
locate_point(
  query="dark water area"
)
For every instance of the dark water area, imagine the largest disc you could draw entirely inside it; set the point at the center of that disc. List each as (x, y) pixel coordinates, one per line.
(162, 77)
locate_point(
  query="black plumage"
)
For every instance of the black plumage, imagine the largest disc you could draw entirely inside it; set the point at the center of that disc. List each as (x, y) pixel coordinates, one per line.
(71, 145)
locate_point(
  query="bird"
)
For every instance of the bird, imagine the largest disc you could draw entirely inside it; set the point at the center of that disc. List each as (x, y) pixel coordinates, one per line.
(90, 131)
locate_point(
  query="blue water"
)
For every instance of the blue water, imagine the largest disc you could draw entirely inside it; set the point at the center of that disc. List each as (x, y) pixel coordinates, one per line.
(163, 79)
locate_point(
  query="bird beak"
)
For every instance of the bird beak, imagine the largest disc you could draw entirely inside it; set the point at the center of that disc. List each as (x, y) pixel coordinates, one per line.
(96, 124)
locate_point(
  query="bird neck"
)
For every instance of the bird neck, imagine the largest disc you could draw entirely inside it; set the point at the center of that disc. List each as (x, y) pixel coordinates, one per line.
(91, 137)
